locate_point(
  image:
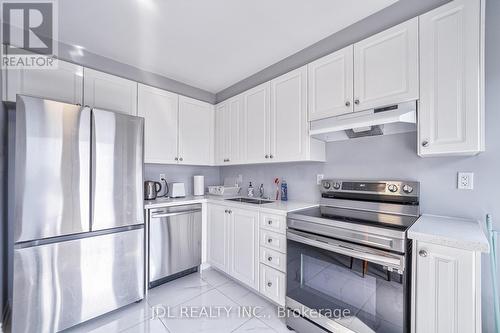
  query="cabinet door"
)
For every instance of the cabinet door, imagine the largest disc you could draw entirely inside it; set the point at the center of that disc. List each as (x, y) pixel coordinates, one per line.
(451, 112)
(235, 130)
(64, 84)
(218, 254)
(331, 84)
(244, 246)
(109, 92)
(386, 67)
(445, 289)
(289, 135)
(196, 132)
(256, 105)
(159, 109)
(221, 133)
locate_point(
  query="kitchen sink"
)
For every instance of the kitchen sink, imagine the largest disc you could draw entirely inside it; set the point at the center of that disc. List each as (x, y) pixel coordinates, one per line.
(251, 200)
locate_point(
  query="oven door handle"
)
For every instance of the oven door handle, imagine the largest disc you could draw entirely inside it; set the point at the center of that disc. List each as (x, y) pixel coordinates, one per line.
(392, 261)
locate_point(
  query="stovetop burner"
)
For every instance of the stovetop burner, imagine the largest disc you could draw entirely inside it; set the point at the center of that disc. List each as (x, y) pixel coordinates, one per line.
(384, 220)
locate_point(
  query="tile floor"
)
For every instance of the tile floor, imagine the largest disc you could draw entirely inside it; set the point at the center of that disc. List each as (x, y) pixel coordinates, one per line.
(183, 303)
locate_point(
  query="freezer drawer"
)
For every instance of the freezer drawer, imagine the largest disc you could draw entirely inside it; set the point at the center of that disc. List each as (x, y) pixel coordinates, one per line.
(174, 240)
(59, 285)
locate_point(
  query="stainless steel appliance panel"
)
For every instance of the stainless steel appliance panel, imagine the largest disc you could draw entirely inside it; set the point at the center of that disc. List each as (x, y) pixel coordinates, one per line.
(117, 170)
(52, 169)
(174, 240)
(59, 285)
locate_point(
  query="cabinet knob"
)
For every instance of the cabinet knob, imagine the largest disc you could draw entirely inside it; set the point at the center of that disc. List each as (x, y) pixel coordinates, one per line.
(269, 284)
(422, 253)
(176, 158)
(269, 240)
(228, 159)
(269, 258)
(347, 103)
(267, 156)
(425, 143)
(356, 101)
(181, 159)
(270, 222)
(230, 211)
(271, 156)
(226, 211)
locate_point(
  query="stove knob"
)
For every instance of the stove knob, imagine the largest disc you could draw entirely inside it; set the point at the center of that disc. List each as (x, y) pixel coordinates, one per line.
(407, 188)
(336, 186)
(393, 188)
(326, 185)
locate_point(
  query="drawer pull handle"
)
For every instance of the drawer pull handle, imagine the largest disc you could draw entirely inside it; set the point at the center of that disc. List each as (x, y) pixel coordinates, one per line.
(269, 284)
(269, 258)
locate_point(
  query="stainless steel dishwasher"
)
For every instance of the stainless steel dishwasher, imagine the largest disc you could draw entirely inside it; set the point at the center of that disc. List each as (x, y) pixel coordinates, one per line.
(174, 242)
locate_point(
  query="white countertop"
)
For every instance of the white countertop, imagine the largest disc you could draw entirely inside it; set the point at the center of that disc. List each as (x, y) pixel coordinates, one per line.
(275, 206)
(449, 231)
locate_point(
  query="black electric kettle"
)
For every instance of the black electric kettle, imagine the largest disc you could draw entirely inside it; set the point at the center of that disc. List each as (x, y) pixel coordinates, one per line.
(151, 189)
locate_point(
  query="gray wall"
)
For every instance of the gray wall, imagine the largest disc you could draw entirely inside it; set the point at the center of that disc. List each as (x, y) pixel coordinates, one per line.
(182, 173)
(395, 157)
(397, 13)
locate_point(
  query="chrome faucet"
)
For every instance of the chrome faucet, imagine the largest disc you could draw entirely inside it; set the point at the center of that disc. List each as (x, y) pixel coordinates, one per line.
(261, 191)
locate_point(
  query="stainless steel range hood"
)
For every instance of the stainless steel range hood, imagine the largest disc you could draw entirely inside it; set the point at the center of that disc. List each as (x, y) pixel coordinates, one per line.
(392, 119)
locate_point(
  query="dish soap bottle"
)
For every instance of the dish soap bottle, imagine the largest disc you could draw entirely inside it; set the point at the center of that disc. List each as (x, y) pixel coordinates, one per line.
(284, 190)
(250, 190)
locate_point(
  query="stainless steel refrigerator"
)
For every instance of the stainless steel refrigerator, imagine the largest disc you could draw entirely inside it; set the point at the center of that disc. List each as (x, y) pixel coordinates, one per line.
(77, 212)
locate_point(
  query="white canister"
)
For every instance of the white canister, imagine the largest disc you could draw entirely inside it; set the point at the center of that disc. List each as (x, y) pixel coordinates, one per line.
(199, 185)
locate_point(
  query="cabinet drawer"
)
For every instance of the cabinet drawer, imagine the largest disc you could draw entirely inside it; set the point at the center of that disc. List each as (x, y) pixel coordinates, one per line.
(273, 222)
(273, 258)
(272, 284)
(273, 240)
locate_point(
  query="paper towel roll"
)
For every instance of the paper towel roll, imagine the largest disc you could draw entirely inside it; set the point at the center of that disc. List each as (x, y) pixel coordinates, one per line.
(199, 185)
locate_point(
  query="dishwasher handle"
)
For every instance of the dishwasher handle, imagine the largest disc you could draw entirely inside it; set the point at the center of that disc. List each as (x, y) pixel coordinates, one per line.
(184, 212)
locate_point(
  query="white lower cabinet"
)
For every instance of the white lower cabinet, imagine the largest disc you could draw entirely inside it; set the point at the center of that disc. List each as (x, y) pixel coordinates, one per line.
(233, 242)
(272, 284)
(446, 288)
(244, 246)
(218, 237)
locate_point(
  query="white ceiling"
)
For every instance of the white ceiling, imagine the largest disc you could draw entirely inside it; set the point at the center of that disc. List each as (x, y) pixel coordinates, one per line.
(209, 44)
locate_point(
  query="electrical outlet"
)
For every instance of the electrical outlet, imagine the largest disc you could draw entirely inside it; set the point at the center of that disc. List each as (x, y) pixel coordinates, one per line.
(162, 176)
(465, 181)
(319, 178)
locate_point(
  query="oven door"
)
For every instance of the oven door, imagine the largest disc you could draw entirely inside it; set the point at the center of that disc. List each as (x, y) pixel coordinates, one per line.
(334, 283)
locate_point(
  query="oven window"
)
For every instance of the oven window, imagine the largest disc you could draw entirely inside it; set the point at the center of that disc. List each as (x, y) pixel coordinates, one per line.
(360, 295)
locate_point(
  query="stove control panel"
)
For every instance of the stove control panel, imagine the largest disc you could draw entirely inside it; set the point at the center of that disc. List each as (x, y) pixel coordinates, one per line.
(389, 187)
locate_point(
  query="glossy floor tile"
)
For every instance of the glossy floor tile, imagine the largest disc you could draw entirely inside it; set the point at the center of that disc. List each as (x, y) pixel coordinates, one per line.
(200, 302)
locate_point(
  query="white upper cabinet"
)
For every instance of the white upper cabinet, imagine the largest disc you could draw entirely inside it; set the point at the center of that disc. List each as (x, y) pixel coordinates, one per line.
(331, 85)
(256, 104)
(244, 246)
(109, 92)
(160, 111)
(229, 130)
(196, 132)
(289, 133)
(64, 84)
(451, 112)
(386, 67)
